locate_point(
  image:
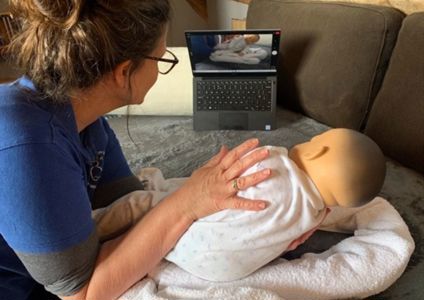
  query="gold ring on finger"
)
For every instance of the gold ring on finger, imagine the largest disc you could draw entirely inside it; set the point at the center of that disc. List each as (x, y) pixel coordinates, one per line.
(235, 185)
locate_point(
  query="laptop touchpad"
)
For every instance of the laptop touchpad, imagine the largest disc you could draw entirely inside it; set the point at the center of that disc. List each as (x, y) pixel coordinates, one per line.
(233, 121)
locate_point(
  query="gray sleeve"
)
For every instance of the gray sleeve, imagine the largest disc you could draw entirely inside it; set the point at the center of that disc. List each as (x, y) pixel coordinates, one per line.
(64, 273)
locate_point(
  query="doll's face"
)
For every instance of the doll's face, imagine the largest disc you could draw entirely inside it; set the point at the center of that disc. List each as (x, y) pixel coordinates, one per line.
(251, 38)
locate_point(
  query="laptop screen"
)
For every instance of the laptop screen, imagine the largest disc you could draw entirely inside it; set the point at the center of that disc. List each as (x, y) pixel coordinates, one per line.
(247, 51)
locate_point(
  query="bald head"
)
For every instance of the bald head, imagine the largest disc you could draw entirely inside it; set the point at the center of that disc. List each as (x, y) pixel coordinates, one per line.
(362, 168)
(347, 167)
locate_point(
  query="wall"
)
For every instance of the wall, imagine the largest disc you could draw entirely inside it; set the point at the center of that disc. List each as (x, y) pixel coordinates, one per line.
(221, 12)
(220, 15)
(184, 18)
(7, 72)
(3, 5)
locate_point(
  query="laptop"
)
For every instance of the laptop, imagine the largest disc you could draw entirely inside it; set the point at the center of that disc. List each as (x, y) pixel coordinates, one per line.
(234, 78)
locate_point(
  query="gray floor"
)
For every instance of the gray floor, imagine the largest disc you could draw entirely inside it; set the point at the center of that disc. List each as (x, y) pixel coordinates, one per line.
(170, 144)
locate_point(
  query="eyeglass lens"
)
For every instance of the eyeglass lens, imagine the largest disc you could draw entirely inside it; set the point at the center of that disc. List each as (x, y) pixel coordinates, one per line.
(163, 66)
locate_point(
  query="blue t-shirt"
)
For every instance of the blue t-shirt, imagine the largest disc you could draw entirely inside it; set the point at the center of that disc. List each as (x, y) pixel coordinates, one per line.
(48, 174)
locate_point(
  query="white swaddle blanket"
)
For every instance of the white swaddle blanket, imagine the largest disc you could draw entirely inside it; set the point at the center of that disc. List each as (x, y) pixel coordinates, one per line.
(357, 267)
(232, 244)
(250, 56)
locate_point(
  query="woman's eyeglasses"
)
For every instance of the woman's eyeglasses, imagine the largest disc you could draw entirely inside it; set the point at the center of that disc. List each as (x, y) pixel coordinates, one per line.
(165, 63)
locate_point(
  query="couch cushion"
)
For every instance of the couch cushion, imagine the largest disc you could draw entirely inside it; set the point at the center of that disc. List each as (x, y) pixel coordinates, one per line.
(334, 55)
(407, 6)
(396, 121)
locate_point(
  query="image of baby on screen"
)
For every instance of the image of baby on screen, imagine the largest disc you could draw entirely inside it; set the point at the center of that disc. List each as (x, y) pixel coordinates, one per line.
(242, 48)
(231, 51)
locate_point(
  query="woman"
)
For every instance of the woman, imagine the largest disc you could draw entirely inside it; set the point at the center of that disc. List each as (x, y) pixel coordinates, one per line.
(59, 159)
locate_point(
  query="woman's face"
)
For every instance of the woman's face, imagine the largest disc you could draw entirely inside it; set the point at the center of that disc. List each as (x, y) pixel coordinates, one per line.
(146, 74)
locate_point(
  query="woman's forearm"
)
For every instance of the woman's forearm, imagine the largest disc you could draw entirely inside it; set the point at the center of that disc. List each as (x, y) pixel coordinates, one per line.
(128, 258)
(211, 188)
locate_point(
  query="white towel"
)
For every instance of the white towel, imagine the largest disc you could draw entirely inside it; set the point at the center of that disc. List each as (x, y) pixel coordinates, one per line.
(250, 56)
(357, 267)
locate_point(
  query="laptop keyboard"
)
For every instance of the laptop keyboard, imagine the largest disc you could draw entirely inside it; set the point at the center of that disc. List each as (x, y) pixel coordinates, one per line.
(243, 94)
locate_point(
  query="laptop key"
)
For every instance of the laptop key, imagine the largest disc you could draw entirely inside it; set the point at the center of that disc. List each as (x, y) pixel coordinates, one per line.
(238, 95)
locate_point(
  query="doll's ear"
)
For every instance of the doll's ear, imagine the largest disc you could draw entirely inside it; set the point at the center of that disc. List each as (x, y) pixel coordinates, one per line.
(315, 152)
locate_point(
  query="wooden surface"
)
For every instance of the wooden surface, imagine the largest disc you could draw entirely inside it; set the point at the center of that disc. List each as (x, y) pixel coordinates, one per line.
(200, 7)
(238, 24)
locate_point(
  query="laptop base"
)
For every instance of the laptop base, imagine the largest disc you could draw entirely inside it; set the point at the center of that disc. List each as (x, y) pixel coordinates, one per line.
(230, 120)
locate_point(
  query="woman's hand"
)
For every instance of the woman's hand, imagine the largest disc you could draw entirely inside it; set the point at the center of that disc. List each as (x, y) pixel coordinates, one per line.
(214, 186)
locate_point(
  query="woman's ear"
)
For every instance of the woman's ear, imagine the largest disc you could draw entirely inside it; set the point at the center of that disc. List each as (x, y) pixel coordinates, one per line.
(121, 74)
(315, 152)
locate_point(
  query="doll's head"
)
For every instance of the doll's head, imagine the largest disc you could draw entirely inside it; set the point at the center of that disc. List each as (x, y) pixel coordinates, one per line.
(251, 38)
(347, 167)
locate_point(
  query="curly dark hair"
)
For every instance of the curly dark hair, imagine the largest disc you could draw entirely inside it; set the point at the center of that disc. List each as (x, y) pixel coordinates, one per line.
(65, 45)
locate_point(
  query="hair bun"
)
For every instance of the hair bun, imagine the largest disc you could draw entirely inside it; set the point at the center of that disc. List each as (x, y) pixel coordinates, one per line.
(60, 13)
(65, 46)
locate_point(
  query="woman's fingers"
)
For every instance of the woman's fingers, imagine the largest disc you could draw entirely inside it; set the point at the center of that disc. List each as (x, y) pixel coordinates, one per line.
(245, 204)
(214, 186)
(238, 152)
(242, 164)
(216, 159)
(244, 182)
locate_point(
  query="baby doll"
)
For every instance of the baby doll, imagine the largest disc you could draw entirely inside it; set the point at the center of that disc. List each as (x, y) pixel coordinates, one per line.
(237, 43)
(238, 49)
(339, 167)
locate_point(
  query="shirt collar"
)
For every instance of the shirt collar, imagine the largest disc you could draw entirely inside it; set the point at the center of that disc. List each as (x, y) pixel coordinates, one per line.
(25, 82)
(62, 112)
